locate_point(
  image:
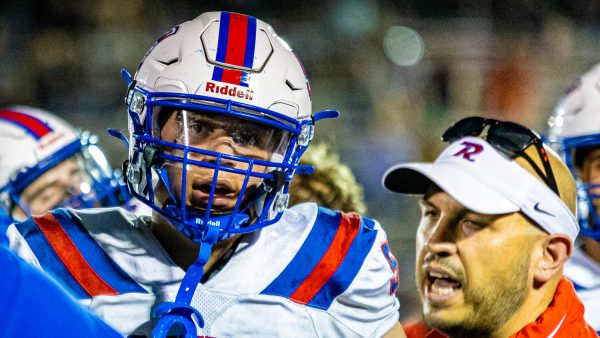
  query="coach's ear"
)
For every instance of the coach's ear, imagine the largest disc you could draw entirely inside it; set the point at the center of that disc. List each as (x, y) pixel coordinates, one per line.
(555, 250)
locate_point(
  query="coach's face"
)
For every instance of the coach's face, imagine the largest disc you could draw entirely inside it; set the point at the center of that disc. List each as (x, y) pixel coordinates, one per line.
(473, 270)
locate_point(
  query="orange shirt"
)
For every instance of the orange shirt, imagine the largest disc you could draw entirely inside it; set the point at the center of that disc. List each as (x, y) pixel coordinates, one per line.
(562, 318)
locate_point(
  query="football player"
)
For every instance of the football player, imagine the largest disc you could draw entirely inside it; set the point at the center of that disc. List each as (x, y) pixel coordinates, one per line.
(220, 111)
(575, 132)
(45, 163)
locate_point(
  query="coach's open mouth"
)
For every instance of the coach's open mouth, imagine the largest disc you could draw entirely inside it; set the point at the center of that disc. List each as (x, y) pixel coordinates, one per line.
(442, 285)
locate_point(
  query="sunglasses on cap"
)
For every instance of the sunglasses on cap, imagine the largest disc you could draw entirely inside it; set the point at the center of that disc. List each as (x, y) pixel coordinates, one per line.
(508, 137)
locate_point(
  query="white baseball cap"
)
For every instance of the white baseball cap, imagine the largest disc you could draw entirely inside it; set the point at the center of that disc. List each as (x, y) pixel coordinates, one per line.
(486, 181)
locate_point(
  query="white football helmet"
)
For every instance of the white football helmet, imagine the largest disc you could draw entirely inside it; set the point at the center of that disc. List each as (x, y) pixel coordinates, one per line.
(230, 70)
(33, 143)
(574, 131)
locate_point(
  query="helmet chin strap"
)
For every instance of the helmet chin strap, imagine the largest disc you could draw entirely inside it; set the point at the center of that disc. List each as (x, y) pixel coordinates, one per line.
(206, 233)
(181, 312)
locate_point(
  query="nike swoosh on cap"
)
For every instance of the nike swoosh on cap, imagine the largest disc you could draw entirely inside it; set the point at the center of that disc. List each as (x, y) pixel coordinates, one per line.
(536, 207)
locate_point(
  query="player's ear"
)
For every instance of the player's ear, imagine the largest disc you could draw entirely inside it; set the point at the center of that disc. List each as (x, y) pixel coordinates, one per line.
(555, 250)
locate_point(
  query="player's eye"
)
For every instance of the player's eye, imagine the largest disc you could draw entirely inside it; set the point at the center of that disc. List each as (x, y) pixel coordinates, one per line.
(45, 196)
(46, 199)
(197, 128)
(246, 138)
(76, 173)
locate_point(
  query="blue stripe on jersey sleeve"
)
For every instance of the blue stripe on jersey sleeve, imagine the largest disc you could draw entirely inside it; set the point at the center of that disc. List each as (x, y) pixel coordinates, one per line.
(309, 255)
(93, 253)
(48, 259)
(345, 274)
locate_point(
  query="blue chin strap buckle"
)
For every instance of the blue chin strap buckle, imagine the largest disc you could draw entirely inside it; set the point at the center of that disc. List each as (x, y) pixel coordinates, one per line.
(176, 313)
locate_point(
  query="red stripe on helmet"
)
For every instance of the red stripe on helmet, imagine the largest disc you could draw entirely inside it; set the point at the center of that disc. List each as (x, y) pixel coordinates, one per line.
(34, 126)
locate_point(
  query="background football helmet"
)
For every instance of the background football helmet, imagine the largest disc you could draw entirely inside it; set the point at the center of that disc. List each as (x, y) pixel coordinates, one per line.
(34, 142)
(229, 67)
(574, 131)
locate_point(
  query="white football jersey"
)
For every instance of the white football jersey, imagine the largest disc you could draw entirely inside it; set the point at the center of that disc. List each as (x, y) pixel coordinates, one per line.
(585, 275)
(137, 207)
(315, 273)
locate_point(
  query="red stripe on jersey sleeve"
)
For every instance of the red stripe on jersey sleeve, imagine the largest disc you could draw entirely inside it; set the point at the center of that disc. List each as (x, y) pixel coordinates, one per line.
(70, 256)
(331, 260)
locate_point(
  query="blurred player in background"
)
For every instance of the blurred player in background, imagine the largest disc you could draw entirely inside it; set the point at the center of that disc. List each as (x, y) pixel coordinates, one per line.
(220, 110)
(497, 226)
(575, 133)
(45, 163)
(332, 185)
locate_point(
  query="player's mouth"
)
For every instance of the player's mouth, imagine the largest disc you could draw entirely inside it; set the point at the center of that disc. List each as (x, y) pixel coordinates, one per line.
(223, 196)
(441, 285)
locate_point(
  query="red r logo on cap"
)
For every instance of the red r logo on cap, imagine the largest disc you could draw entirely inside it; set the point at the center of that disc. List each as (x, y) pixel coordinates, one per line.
(469, 150)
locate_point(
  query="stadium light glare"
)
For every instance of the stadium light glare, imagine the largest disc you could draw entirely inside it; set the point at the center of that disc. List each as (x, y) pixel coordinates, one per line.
(403, 46)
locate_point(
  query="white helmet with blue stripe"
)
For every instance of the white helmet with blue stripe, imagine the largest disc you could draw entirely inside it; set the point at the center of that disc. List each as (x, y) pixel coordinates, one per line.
(34, 142)
(220, 109)
(574, 132)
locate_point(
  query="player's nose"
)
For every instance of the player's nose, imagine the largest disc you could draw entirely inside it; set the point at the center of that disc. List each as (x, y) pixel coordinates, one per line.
(220, 152)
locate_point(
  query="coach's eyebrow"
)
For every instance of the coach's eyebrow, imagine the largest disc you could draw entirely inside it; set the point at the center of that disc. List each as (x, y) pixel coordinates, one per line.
(432, 189)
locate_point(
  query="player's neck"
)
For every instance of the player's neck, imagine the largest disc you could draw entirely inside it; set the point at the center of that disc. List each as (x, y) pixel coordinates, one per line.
(182, 250)
(591, 248)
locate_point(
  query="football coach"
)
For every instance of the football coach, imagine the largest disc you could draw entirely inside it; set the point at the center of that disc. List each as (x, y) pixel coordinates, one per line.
(497, 226)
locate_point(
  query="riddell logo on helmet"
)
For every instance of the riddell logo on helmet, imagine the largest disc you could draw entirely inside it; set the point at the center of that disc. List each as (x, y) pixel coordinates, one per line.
(229, 90)
(50, 139)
